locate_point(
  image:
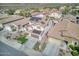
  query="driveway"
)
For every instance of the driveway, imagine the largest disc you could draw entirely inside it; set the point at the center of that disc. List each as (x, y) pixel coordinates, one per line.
(52, 48)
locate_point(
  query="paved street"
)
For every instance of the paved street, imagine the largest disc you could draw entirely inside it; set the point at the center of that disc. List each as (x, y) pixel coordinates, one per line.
(6, 50)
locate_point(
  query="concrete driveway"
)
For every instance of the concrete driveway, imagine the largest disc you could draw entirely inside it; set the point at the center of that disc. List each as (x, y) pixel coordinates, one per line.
(52, 48)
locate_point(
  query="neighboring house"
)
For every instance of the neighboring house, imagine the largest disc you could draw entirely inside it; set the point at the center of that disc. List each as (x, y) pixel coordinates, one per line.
(40, 26)
(38, 15)
(55, 15)
(18, 21)
(70, 17)
(65, 31)
(11, 19)
(36, 27)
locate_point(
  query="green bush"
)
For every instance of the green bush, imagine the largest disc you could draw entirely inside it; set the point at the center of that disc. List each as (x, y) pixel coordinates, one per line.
(22, 39)
(9, 11)
(74, 53)
(75, 50)
(24, 12)
(71, 46)
(66, 9)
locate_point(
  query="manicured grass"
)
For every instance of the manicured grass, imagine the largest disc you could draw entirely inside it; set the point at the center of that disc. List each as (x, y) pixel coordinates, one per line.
(22, 39)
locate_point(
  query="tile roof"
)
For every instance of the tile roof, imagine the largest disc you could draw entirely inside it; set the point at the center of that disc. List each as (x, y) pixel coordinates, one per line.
(69, 30)
(11, 19)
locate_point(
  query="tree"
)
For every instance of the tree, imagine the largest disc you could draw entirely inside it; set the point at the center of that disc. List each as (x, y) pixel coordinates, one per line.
(74, 53)
(75, 50)
(22, 39)
(24, 12)
(75, 12)
(9, 11)
(35, 9)
(66, 9)
(71, 46)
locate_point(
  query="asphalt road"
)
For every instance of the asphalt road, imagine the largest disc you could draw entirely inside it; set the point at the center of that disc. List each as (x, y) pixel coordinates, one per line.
(6, 50)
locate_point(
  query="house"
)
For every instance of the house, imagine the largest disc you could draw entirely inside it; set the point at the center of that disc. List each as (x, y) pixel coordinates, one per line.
(36, 30)
(38, 15)
(39, 25)
(11, 19)
(55, 15)
(66, 31)
(70, 17)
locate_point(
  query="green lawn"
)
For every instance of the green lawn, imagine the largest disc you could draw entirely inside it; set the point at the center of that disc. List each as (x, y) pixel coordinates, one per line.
(22, 39)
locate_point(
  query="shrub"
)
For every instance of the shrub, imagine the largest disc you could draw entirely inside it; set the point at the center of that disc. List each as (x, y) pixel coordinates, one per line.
(22, 39)
(10, 11)
(75, 50)
(74, 53)
(71, 46)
